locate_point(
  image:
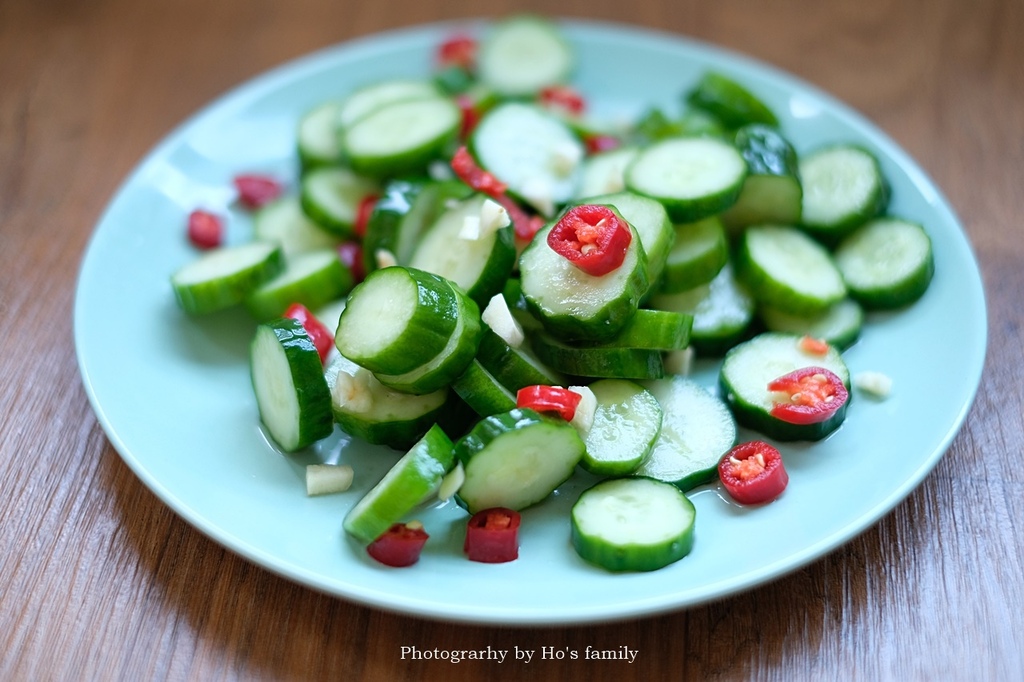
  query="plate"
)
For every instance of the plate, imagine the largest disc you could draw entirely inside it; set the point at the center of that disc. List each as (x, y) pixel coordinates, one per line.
(173, 393)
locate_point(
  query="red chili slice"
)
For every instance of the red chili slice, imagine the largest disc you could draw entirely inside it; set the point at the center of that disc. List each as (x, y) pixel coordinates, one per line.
(549, 399)
(492, 536)
(363, 213)
(205, 229)
(400, 545)
(321, 337)
(467, 170)
(564, 98)
(351, 255)
(601, 143)
(470, 114)
(256, 190)
(807, 396)
(813, 346)
(591, 237)
(753, 473)
(458, 50)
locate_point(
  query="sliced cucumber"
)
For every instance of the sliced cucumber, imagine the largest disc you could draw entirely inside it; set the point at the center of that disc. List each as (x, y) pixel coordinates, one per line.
(481, 265)
(598, 361)
(318, 136)
(402, 136)
(785, 268)
(886, 263)
(369, 98)
(839, 326)
(410, 482)
(633, 524)
(605, 173)
(626, 424)
(574, 305)
(224, 276)
(699, 253)
(313, 278)
(514, 368)
(772, 192)
(843, 187)
(523, 54)
(516, 459)
(696, 431)
(729, 101)
(397, 319)
(660, 330)
(652, 225)
(291, 392)
(331, 195)
(482, 391)
(532, 151)
(749, 367)
(694, 177)
(365, 408)
(283, 221)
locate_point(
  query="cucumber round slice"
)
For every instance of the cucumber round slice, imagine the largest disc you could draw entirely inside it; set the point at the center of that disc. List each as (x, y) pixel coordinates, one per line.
(626, 424)
(283, 221)
(288, 380)
(696, 431)
(784, 267)
(318, 136)
(369, 98)
(480, 266)
(366, 409)
(843, 187)
(514, 368)
(605, 173)
(516, 459)
(694, 177)
(401, 137)
(397, 319)
(313, 278)
(574, 305)
(411, 481)
(698, 254)
(633, 524)
(331, 195)
(652, 225)
(482, 391)
(772, 193)
(839, 326)
(886, 263)
(598, 361)
(223, 277)
(749, 367)
(532, 151)
(728, 101)
(523, 54)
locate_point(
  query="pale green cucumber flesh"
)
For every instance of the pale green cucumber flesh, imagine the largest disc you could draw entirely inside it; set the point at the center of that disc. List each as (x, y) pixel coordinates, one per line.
(839, 326)
(521, 55)
(223, 277)
(283, 221)
(886, 263)
(313, 278)
(330, 196)
(697, 256)
(626, 424)
(318, 136)
(652, 225)
(843, 187)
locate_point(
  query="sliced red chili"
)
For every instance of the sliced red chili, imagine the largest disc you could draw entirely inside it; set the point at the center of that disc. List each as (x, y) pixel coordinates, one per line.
(351, 255)
(813, 346)
(467, 170)
(549, 399)
(807, 396)
(601, 143)
(564, 98)
(591, 237)
(492, 536)
(205, 229)
(400, 545)
(318, 332)
(255, 190)
(363, 213)
(753, 473)
(470, 114)
(458, 50)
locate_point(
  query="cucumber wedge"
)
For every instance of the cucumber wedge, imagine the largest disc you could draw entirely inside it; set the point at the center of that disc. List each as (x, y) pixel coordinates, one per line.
(772, 192)
(729, 101)
(626, 425)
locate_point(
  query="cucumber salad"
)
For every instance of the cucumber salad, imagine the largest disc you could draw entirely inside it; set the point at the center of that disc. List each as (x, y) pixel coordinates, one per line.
(471, 270)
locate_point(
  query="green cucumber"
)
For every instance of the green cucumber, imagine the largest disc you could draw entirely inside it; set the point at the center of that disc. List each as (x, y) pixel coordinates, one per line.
(414, 479)
(604, 173)
(521, 55)
(330, 196)
(313, 278)
(598, 361)
(318, 136)
(886, 263)
(287, 377)
(369, 98)
(283, 221)
(633, 524)
(650, 329)
(515, 459)
(223, 277)
(843, 187)
(482, 391)
(729, 101)
(626, 424)
(698, 254)
(839, 326)
(772, 192)
(514, 368)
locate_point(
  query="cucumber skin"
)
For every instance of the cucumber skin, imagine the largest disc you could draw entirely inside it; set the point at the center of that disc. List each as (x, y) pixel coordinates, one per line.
(598, 361)
(266, 305)
(604, 390)
(196, 299)
(511, 366)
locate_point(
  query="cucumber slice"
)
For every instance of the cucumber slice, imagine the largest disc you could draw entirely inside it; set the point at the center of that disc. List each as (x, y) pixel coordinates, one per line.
(839, 326)
(626, 424)
(479, 266)
(696, 432)
(694, 177)
(722, 312)
(318, 136)
(288, 380)
(402, 136)
(772, 192)
(605, 173)
(749, 367)
(514, 368)
(366, 409)
(532, 151)
(516, 459)
(411, 481)
(482, 391)
(224, 276)
(886, 263)
(699, 253)
(843, 187)
(728, 101)
(521, 55)
(369, 98)
(598, 361)
(571, 304)
(397, 319)
(784, 267)
(660, 330)
(633, 524)
(283, 221)
(313, 278)
(331, 195)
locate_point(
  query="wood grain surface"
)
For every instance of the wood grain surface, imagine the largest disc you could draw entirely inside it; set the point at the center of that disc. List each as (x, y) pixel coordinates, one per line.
(99, 580)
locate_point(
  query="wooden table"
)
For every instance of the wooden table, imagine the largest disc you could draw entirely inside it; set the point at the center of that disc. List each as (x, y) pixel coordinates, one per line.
(98, 578)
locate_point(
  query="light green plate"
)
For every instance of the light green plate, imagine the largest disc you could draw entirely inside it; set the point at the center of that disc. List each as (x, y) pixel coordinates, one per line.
(173, 393)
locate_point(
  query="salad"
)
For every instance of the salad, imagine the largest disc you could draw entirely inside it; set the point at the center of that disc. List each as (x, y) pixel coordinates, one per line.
(474, 272)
